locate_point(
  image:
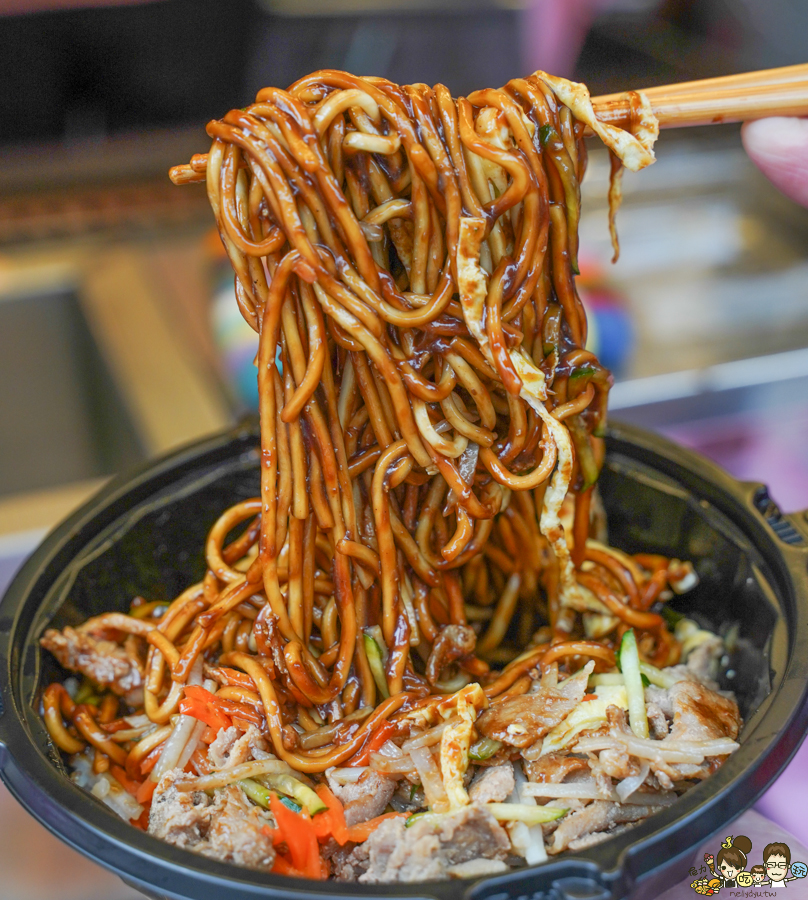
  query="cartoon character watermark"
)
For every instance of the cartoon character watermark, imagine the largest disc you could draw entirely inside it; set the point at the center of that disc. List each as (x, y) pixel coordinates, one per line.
(728, 869)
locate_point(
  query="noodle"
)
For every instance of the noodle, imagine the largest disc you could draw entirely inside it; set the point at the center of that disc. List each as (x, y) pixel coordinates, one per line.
(427, 411)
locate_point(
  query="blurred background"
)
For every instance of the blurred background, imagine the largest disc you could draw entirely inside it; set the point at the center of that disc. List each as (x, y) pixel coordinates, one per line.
(119, 335)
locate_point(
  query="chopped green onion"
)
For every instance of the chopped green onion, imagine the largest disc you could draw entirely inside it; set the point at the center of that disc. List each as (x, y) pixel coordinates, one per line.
(374, 655)
(414, 791)
(485, 748)
(545, 133)
(629, 660)
(301, 793)
(521, 812)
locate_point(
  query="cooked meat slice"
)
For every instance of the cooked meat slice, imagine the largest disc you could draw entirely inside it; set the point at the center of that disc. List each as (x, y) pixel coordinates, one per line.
(617, 764)
(554, 768)
(597, 837)
(408, 797)
(657, 720)
(235, 833)
(453, 643)
(231, 747)
(179, 817)
(428, 849)
(221, 747)
(349, 862)
(364, 799)
(660, 698)
(703, 661)
(477, 868)
(600, 815)
(492, 784)
(700, 714)
(521, 721)
(105, 662)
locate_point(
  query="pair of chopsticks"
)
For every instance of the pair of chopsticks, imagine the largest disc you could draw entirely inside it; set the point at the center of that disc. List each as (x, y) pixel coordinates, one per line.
(732, 98)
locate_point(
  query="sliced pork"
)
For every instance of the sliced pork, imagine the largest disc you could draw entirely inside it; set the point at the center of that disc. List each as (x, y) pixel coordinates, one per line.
(364, 799)
(493, 784)
(235, 833)
(104, 662)
(429, 849)
(228, 828)
(599, 816)
(181, 818)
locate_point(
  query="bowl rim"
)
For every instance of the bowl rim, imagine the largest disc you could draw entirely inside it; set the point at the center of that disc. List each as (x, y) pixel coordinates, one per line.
(615, 866)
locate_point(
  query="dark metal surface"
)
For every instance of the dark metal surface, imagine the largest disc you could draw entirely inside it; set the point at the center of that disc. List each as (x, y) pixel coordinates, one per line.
(144, 534)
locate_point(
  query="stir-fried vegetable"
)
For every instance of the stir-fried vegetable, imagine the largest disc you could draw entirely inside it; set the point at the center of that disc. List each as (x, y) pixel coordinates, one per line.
(485, 748)
(202, 705)
(301, 793)
(657, 676)
(651, 673)
(503, 812)
(296, 830)
(256, 792)
(629, 661)
(374, 742)
(521, 812)
(374, 655)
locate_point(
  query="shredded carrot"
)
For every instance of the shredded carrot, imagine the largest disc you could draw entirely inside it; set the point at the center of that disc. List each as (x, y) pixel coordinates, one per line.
(129, 784)
(282, 866)
(199, 759)
(146, 791)
(363, 830)
(151, 760)
(379, 737)
(331, 822)
(142, 821)
(202, 705)
(238, 678)
(208, 735)
(300, 837)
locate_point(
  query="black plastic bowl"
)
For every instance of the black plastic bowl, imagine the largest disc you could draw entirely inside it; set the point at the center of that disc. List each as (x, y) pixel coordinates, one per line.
(144, 535)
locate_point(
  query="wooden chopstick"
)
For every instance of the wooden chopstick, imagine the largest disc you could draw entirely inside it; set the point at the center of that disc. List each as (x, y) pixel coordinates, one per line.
(783, 75)
(732, 98)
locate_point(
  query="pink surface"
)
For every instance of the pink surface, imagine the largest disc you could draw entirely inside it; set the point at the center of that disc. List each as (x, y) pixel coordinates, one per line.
(767, 446)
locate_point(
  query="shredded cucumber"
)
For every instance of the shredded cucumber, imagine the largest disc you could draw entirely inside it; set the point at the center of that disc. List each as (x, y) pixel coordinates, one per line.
(256, 792)
(629, 659)
(422, 817)
(260, 794)
(521, 812)
(657, 676)
(504, 812)
(300, 793)
(606, 678)
(374, 655)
